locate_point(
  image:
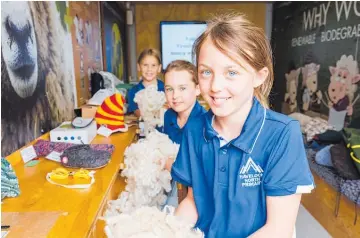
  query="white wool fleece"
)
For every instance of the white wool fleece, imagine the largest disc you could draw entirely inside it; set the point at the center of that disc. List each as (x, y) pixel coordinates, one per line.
(149, 222)
(146, 177)
(151, 102)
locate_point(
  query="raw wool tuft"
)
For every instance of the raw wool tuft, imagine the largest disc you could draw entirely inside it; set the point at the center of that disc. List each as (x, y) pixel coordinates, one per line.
(151, 102)
(149, 222)
(147, 179)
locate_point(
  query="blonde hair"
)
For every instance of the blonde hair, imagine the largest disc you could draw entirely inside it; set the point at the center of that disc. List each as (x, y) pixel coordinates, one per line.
(149, 52)
(179, 65)
(237, 37)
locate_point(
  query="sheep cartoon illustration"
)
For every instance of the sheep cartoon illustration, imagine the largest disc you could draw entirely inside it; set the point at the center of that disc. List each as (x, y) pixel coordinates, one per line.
(342, 89)
(292, 81)
(311, 95)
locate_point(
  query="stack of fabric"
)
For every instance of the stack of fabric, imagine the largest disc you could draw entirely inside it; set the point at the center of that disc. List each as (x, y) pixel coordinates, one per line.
(9, 181)
(335, 157)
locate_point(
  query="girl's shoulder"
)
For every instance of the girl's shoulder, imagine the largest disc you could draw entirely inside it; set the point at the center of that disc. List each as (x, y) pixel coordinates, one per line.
(169, 113)
(161, 85)
(276, 118)
(137, 87)
(278, 125)
(195, 126)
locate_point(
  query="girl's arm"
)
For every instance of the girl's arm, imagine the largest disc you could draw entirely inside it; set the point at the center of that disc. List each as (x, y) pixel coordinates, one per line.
(187, 208)
(169, 163)
(281, 217)
(288, 176)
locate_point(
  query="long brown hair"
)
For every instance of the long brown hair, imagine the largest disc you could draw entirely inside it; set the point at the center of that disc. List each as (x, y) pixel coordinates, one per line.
(237, 37)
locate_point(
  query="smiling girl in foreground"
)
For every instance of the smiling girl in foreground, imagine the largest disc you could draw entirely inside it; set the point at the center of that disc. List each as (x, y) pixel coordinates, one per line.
(245, 164)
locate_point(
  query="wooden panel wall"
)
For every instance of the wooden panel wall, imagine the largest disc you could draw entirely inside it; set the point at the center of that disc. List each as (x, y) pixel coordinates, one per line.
(149, 15)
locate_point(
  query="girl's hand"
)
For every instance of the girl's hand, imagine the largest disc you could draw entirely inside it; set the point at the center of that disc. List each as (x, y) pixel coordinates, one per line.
(187, 208)
(169, 163)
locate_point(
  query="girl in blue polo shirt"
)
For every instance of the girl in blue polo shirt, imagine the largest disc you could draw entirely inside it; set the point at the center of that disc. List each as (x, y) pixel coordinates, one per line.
(245, 164)
(149, 65)
(181, 90)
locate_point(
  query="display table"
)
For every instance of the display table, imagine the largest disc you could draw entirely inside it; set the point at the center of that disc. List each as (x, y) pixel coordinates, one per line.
(62, 211)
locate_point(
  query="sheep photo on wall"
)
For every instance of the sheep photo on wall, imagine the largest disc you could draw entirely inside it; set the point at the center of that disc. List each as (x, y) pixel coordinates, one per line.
(37, 78)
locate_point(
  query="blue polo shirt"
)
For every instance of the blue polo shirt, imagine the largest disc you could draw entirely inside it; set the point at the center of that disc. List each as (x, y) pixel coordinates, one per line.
(171, 127)
(132, 106)
(230, 183)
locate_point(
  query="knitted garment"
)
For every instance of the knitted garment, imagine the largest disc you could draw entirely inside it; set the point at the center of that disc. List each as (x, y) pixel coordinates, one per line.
(111, 113)
(9, 181)
(44, 147)
(83, 156)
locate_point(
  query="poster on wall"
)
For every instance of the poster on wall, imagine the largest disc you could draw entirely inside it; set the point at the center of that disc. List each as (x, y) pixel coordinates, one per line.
(114, 39)
(177, 40)
(316, 50)
(86, 39)
(37, 74)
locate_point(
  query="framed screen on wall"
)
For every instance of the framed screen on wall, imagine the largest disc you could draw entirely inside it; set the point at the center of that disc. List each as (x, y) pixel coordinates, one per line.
(177, 39)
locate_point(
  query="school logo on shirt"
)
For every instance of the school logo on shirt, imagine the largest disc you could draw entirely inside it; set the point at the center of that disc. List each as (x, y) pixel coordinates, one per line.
(250, 174)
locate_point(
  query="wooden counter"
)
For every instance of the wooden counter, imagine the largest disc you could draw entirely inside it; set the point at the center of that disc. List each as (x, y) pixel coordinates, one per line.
(79, 208)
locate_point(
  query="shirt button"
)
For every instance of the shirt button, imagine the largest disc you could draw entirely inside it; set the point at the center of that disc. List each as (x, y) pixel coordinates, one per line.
(224, 151)
(222, 169)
